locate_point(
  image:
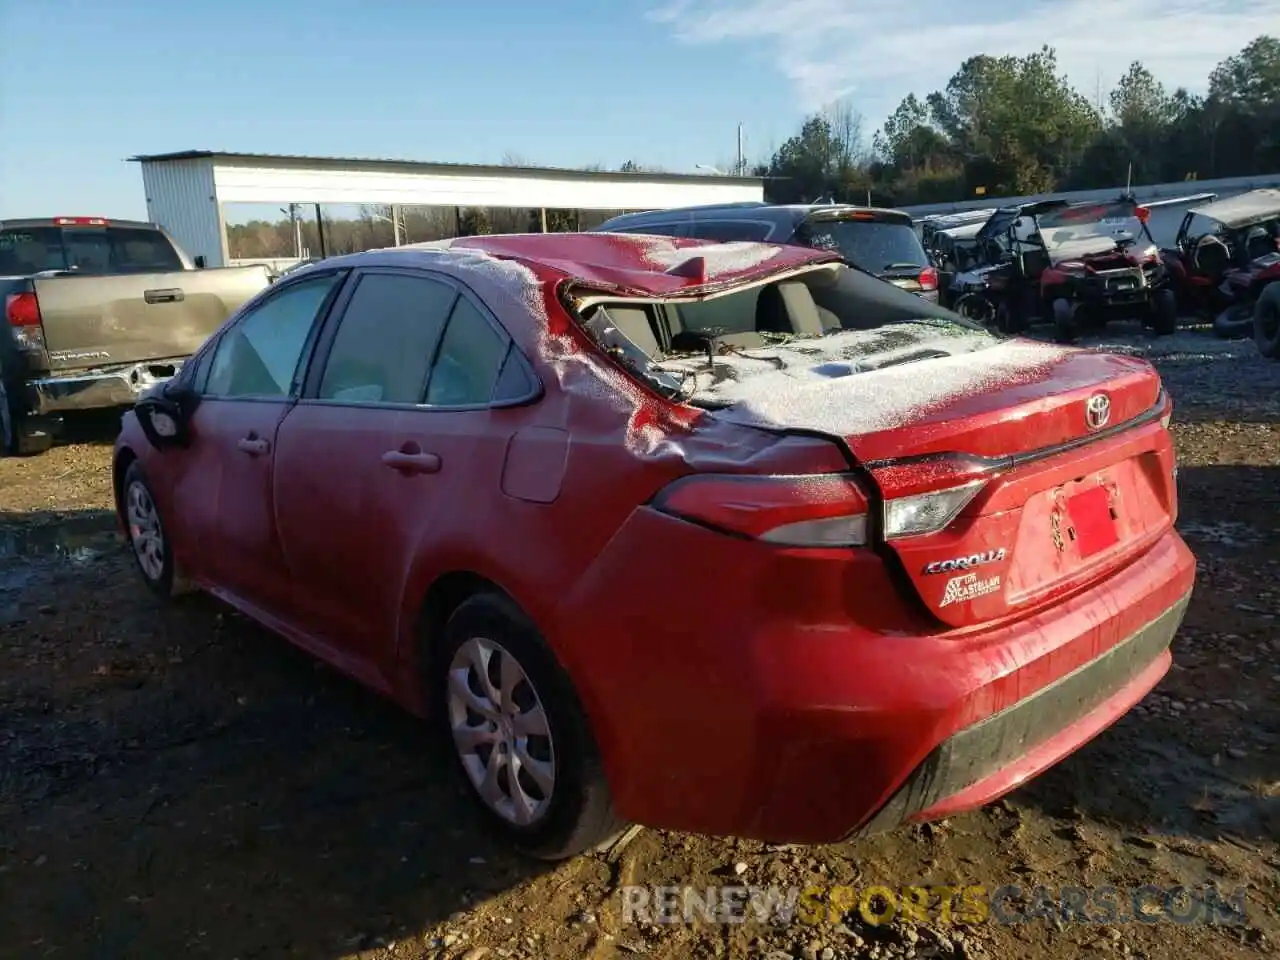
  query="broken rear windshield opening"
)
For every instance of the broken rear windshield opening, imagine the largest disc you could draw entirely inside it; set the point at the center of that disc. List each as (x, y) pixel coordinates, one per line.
(827, 322)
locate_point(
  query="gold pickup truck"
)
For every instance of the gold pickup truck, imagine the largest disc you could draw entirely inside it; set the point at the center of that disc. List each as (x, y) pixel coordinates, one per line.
(95, 312)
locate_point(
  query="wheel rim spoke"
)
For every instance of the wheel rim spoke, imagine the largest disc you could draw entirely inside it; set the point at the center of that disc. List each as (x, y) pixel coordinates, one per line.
(511, 676)
(460, 688)
(539, 771)
(531, 723)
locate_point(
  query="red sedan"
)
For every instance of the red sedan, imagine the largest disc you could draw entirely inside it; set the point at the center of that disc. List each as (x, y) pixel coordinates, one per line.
(726, 538)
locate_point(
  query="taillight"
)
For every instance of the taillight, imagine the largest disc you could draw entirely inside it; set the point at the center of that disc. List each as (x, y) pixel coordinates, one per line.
(925, 496)
(819, 510)
(80, 221)
(927, 512)
(22, 310)
(929, 279)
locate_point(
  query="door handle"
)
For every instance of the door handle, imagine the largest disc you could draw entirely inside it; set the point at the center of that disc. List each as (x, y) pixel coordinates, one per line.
(254, 446)
(407, 463)
(167, 295)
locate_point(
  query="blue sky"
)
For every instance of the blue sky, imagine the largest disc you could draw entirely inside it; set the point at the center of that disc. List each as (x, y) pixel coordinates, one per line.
(556, 82)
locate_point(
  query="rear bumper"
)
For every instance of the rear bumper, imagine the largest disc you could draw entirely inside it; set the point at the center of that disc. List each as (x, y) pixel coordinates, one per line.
(984, 761)
(800, 701)
(98, 389)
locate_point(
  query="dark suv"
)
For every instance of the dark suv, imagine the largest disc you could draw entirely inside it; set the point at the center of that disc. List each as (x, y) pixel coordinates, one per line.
(881, 242)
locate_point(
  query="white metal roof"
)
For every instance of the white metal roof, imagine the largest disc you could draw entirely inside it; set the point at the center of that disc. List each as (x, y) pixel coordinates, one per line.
(288, 178)
(1240, 209)
(186, 192)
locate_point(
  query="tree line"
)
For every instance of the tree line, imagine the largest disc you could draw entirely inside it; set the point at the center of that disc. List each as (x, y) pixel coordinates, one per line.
(1002, 126)
(1012, 126)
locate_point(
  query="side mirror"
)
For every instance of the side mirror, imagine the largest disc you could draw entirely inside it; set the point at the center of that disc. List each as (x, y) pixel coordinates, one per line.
(164, 414)
(200, 262)
(163, 422)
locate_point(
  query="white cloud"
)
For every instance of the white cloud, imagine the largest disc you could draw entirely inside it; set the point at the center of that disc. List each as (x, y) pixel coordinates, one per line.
(878, 52)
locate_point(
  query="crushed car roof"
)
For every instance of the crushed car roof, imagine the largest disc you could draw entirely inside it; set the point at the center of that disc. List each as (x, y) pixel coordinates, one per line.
(630, 263)
(1243, 209)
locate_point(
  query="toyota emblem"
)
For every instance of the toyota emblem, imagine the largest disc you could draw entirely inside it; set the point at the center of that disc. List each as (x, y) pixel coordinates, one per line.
(1097, 411)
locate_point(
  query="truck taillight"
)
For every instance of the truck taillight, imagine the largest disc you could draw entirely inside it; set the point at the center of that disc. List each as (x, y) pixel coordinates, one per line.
(819, 510)
(22, 310)
(81, 222)
(928, 279)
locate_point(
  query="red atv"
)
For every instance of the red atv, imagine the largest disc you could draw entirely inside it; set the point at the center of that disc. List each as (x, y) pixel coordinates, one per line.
(1072, 264)
(1225, 265)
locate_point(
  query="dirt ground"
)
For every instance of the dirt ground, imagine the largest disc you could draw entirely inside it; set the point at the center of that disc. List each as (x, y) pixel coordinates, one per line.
(176, 782)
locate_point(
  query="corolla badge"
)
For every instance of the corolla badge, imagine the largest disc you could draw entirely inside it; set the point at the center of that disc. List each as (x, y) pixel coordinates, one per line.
(964, 563)
(1097, 411)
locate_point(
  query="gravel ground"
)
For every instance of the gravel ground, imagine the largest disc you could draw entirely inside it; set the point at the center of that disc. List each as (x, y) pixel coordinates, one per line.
(174, 781)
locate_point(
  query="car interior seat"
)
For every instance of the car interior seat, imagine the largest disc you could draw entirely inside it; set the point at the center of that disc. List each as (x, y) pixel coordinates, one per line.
(636, 324)
(788, 307)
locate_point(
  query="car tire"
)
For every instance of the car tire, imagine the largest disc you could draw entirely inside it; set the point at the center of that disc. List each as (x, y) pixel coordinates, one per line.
(504, 698)
(8, 424)
(1164, 313)
(16, 439)
(1234, 323)
(1266, 322)
(1007, 319)
(147, 537)
(1064, 321)
(975, 307)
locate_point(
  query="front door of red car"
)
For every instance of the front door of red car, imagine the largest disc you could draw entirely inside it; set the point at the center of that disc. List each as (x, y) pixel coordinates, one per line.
(386, 444)
(254, 378)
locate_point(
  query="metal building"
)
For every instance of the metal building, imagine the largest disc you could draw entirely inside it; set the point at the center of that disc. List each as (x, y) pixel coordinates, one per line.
(186, 191)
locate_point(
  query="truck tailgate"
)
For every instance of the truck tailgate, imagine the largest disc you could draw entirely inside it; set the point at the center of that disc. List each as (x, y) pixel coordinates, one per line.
(129, 318)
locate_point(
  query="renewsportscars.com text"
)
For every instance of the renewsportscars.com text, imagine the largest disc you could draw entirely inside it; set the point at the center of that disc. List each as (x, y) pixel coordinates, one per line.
(875, 905)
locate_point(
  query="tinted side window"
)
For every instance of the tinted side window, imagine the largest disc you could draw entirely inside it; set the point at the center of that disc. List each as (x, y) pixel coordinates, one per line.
(386, 339)
(728, 230)
(26, 250)
(470, 357)
(259, 356)
(143, 251)
(658, 229)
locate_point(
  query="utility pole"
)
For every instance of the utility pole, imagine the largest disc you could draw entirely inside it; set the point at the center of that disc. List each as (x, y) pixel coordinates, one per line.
(395, 223)
(296, 222)
(320, 231)
(741, 169)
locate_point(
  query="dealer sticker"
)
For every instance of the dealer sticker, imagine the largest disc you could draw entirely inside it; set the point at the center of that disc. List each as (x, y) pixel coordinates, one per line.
(968, 587)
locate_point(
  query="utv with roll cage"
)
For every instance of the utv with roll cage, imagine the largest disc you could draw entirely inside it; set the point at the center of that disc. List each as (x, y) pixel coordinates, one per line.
(1072, 264)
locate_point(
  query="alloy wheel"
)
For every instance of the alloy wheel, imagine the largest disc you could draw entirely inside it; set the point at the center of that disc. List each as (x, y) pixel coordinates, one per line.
(145, 533)
(501, 732)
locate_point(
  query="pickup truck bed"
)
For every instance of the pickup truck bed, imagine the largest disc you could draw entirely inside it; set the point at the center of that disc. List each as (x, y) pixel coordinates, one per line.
(95, 313)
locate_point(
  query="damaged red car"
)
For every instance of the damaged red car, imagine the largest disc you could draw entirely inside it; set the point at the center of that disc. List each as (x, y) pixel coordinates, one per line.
(724, 538)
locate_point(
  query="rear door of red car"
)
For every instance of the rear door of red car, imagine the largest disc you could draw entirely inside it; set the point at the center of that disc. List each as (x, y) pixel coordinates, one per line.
(393, 446)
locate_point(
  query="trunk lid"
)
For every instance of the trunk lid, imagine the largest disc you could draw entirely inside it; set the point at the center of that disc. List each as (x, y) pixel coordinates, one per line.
(1063, 491)
(94, 321)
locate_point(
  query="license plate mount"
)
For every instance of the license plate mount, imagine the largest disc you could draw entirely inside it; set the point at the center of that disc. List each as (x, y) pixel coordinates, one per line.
(1092, 521)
